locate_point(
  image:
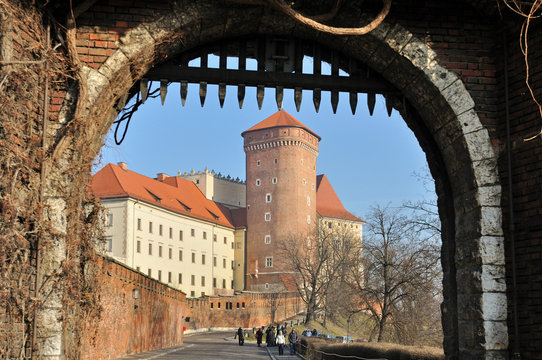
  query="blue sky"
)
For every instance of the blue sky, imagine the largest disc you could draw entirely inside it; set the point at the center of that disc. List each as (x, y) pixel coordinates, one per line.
(368, 159)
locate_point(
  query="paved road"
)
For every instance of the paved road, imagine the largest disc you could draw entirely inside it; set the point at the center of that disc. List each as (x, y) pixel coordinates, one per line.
(211, 346)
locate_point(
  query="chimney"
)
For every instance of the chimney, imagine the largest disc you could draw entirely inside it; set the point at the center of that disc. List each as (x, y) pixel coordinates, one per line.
(161, 177)
(123, 165)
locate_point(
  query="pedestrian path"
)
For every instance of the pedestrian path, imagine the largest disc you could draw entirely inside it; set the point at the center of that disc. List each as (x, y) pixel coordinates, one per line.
(274, 353)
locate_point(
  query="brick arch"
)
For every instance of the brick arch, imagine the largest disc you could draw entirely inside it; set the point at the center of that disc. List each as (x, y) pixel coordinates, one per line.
(458, 146)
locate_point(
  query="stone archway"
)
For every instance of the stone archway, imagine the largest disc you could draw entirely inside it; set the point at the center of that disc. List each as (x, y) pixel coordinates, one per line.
(458, 146)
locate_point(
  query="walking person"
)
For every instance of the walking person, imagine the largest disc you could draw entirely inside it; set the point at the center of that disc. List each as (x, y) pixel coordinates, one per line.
(259, 335)
(292, 338)
(240, 336)
(280, 342)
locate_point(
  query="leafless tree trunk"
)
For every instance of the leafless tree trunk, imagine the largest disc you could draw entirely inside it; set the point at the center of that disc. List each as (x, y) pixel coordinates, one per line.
(398, 267)
(320, 260)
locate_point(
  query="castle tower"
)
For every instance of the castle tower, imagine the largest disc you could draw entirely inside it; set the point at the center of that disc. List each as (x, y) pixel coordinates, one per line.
(281, 194)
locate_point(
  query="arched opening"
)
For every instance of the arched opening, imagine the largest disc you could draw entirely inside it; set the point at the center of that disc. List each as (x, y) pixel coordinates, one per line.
(437, 108)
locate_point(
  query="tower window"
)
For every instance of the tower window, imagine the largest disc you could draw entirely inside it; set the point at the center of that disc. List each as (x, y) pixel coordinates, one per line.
(267, 216)
(267, 198)
(304, 181)
(258, 163)
(276, 161)
(269, 261)
(308, 219)
(301, 161)
(258, 182)
(274, 181)
(308, 201)
(268, 239)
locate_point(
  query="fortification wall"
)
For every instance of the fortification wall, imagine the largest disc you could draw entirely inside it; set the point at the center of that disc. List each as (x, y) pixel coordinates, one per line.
(246, 310)
(158, 315)
(139, 313)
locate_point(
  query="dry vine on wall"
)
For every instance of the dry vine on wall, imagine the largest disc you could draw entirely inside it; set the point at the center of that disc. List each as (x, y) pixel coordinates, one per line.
(30, 68)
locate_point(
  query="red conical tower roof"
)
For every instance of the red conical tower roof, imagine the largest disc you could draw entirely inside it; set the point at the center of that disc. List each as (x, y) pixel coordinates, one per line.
(280, 119)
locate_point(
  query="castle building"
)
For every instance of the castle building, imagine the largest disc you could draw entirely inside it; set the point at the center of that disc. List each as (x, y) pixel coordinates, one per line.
(207, 234)
(166, 228)
(285, 198)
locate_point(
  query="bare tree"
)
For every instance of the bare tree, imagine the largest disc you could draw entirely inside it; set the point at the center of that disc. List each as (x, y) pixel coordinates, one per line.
(319, 260)
(397, 267)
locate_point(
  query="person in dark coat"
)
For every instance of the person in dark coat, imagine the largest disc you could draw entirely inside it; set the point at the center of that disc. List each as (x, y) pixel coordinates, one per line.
(271, 337)
(292, 338)
(241, 336)
(259, 335)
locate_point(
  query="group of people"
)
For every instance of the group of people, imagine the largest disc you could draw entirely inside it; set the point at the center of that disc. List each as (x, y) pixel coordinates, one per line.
(273, 337)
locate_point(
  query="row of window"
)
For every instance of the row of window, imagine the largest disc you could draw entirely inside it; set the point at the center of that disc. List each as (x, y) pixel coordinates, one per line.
(229, 305)
(160, 231)
(170, 254)
(180, 278)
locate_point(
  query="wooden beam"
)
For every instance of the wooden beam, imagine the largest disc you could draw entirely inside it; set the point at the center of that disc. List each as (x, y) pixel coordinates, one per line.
(196, 75)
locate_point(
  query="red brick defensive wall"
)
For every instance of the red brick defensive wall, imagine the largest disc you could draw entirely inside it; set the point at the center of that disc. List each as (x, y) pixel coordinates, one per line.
(139, 313)
(142, 314)
(246, 310)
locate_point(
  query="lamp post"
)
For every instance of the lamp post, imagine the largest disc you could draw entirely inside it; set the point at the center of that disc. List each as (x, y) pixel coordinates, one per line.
(135, 295)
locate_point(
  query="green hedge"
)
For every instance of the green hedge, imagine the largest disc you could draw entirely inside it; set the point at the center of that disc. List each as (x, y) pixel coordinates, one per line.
(317, 349)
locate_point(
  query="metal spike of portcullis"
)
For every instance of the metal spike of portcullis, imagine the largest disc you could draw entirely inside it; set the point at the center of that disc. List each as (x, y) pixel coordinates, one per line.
(298, 97)
(353, 102)
(202, 92)
(260, 92)
(163, 90)
(371, 101)
(184, 91)
(316, 98)
(144, 89)
(221, 94)
(279, 95)
(241, 95)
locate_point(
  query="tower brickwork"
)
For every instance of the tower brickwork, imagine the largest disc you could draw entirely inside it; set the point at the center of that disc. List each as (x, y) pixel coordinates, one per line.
(281, 157)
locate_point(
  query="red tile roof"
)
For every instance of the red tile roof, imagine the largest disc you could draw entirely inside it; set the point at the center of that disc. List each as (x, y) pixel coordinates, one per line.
(174, 194)
(328, 203)
(280, 119)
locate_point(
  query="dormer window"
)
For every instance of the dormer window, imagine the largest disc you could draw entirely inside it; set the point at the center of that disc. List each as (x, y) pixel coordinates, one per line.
(186, 207)
(154, 196)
